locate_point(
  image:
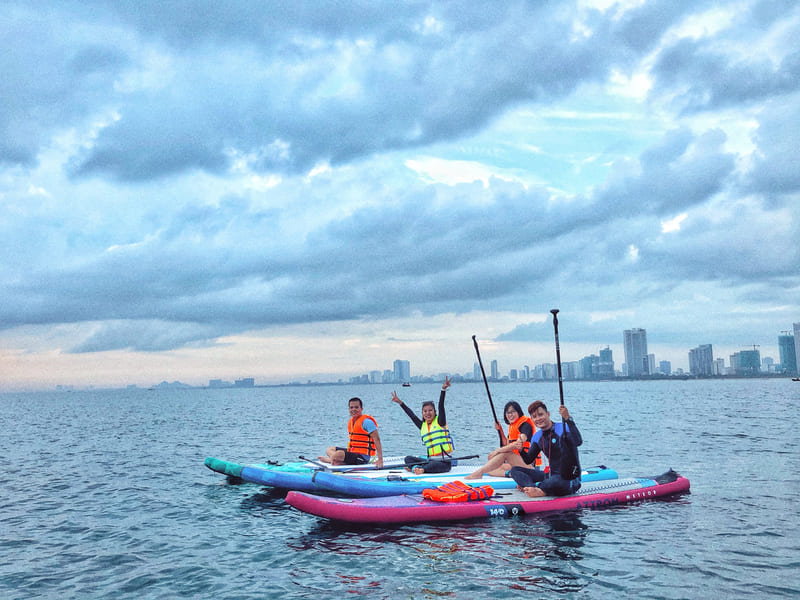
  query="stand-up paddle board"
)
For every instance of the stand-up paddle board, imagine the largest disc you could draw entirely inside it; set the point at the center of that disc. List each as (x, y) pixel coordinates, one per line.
(415, 508)
(396, 483)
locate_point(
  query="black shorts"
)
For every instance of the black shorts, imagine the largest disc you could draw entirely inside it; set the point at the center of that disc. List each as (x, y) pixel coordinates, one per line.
(353, 458)
(552, 485)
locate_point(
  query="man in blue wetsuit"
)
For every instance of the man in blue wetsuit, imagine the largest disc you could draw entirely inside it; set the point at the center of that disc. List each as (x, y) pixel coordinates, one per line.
(562, 454)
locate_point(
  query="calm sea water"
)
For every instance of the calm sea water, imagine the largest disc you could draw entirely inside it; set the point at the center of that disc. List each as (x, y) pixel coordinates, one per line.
(104, 495)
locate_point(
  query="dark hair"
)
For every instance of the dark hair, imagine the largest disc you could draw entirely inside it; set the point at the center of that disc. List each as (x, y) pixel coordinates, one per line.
(536, 406)
(361, 404)
(515, 405)
(431, 404)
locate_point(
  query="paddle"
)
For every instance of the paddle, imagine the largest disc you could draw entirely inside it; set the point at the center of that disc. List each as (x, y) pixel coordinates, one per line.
(488, 393)
(569, 454)
(422, 461)
(322, 466)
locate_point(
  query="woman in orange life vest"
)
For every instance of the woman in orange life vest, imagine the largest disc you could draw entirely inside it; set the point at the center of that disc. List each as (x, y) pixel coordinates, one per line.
(364, 440)
(434, 432)
(520, 427)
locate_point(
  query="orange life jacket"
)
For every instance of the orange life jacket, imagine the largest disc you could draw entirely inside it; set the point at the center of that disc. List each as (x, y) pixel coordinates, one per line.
(513, 435)
(458, 491)
(360, 440)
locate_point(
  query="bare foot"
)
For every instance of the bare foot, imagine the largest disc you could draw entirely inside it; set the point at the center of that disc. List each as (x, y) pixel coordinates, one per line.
(474, 476)
(324, 459)
(533, 492)
(418, 470)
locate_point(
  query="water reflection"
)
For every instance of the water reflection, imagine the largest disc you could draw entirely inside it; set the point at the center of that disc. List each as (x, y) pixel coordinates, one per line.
(539, 552)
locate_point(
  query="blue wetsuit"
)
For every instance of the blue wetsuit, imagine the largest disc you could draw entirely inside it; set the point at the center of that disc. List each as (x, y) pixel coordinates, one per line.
(550, 443)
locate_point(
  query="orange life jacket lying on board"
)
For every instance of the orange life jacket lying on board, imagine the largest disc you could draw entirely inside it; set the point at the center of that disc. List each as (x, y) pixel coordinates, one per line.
(458, 491)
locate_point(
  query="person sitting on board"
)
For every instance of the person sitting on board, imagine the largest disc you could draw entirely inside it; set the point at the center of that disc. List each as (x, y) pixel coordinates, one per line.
(435, 435)
(365, 442)
(559, 442)
(520, 427)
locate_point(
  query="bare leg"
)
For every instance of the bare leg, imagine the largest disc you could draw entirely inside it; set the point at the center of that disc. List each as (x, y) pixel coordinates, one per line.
(512, 459)
(334, 456)
(493, 463)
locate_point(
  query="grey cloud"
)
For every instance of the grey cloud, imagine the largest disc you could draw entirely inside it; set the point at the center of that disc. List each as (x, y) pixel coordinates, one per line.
(775, 171)
(709, 78)
(145, 336)
(279, 102)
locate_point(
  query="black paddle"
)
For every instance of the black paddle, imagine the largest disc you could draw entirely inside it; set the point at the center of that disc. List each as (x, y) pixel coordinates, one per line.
(488, 393)
(570, 466)
(422, 461)
(323, 466)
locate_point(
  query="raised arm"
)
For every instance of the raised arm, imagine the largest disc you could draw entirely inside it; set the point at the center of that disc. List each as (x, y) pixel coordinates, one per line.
(414, 418)
(441, 414)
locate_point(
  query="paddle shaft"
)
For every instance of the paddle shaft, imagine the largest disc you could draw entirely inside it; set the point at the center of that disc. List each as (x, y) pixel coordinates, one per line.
(323, 466)
(486, 383)
(567, 444)
(558, 356)
(422, 461)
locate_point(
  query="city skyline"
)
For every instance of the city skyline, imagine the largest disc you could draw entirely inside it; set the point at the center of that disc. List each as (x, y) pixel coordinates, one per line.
(703, 361)
(304, 193)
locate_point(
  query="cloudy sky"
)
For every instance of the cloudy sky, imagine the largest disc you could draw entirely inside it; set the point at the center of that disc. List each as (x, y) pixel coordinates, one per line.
(293, 190)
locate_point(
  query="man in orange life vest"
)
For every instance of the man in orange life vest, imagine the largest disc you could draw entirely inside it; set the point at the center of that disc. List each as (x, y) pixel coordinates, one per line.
(364, 440)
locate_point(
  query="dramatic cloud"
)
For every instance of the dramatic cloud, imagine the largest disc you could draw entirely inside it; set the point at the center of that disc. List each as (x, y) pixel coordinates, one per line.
(212, 178)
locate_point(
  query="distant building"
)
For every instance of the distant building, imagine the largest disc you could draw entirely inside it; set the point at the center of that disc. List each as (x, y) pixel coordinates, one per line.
(746, 362)
(797, 344)
(476, 372)
(701, 360)
(588, 367)
(786, 347)
(512, 375)
(719, 366)
(495, 374)
(245, 382)
(402, 371)
(375, 377)
(605, 367)
(665, 367)
(635, 345)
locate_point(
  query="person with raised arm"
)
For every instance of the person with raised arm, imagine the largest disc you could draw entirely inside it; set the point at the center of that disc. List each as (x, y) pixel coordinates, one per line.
(559, 443)
(435, 435)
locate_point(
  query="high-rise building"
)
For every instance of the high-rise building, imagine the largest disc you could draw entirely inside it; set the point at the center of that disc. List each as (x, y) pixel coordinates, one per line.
(665, 367)
(797, 344)
(701, 360)
(635, 345)
(746, 362)
(788, 354)
(476, 372)
(402, 371)
(605, 367)
(719, 366)
(495, 373)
